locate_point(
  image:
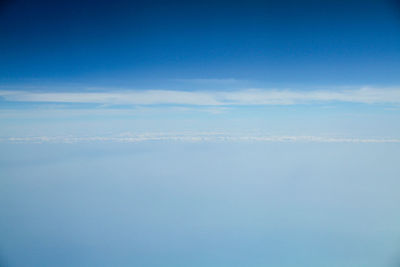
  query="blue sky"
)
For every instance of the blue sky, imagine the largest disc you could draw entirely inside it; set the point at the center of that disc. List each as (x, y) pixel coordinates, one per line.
(199, 133)
(199, 204)
(279, 67)
(150, 44)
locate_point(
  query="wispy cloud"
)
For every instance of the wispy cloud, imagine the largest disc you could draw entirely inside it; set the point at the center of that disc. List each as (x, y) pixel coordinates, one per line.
(210, 98)
(195, 137)
(209, 81)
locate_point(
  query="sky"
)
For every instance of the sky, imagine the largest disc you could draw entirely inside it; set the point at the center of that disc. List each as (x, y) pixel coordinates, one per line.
(160, 44)
(199, 204)
(199, 133)
(271, 67)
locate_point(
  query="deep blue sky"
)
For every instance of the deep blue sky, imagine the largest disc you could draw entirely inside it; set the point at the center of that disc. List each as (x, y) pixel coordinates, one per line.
(270, 138)
(146, 44)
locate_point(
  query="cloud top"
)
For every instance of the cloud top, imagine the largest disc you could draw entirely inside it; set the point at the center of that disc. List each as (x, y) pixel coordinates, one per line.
(210, 98)
(195, 137)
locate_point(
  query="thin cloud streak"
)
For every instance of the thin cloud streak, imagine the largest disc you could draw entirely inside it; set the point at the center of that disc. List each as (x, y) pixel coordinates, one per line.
(194, 137)
(210, 98)
(209, 81)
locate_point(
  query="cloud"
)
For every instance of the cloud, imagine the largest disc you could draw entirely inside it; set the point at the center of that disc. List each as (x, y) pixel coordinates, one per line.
(195, 137)
(210, 98)
(148, 97)
(209, 81)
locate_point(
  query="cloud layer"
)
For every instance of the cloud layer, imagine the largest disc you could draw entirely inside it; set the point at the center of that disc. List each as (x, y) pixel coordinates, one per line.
(210, 98)
(195, 137)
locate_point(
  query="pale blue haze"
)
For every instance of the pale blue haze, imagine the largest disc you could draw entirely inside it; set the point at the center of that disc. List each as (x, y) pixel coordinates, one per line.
(202, 204)
(200, 133)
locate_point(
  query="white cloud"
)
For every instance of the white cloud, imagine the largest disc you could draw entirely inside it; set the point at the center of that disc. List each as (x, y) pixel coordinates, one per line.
(195, 137)
(148, 97)
(209, 81)
(210, 98)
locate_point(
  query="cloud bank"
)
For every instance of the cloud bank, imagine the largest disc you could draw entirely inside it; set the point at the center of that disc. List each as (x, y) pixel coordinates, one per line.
(194, 137)
(210, 98)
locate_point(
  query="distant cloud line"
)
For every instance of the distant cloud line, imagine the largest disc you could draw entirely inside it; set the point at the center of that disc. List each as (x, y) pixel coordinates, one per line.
(210, 98)
(203, 137)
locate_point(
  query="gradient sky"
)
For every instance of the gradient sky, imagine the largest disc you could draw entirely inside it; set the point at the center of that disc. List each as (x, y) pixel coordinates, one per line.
(150, 44)
(200, 133)
(278, 67)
